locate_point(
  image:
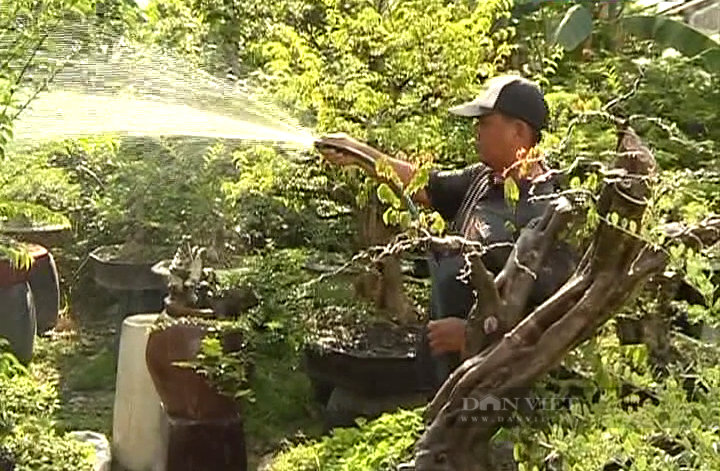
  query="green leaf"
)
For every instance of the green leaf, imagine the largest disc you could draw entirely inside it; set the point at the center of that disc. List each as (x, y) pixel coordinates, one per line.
(512, 191)
(668, 32)
(388, 196)
(419, 180)
(438, 224)
(575, 27)
(390, 216)
(405, 220)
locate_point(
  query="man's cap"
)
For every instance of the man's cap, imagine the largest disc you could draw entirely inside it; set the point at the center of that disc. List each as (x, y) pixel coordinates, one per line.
(512, 96)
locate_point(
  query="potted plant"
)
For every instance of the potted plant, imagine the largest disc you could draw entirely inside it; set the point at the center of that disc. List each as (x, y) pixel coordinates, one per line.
(39, 228)
(28, 222)
(159, 188)
(198, 359)
(365, 363)
(361, 359)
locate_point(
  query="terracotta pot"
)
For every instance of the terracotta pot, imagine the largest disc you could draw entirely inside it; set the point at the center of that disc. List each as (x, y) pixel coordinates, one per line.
(10, 275)
(184, 393)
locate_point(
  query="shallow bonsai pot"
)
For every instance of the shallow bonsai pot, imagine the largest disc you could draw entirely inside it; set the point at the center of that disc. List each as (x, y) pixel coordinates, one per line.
(47, 235)
(374, 366)
(114, 273)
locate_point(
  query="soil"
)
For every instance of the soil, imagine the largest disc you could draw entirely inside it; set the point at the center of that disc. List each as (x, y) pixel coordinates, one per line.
(378, 340)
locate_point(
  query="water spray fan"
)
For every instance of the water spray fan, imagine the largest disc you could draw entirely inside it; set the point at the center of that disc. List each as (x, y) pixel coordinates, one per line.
(364, 159)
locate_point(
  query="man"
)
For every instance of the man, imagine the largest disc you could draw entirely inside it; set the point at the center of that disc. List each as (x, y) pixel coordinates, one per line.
(510, 116)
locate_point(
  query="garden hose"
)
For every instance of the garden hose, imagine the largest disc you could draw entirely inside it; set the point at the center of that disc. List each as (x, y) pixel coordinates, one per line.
(363, 158)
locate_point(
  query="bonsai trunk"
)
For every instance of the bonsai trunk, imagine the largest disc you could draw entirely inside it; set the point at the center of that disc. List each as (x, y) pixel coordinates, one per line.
(507, 352)
(383, 286)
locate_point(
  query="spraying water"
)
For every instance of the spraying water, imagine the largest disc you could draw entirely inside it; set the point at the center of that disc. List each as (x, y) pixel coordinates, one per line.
(142, 92)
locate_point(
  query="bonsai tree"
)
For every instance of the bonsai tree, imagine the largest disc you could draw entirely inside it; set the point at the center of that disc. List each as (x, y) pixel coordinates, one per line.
(156, 188)
(510, 350)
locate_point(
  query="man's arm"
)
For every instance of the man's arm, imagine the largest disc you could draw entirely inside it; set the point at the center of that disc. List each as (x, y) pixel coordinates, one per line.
(404, 170)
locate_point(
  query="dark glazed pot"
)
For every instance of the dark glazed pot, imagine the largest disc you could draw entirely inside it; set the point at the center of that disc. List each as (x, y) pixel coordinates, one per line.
(118, 274)
(49, 235)
(17, 320)
(371, 371)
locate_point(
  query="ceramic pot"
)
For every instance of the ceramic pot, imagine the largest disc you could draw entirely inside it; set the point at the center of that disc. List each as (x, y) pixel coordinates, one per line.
(373, 371)
(17, 320)
(45, 285)
(48, 235)
(117, 274)
(10, 275)
(205, 428)
(184, 393)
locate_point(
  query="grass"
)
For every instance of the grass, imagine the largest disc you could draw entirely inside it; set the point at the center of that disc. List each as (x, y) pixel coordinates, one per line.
(83, 361)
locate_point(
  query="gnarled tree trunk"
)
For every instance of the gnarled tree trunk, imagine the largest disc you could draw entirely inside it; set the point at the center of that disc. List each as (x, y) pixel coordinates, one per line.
(384, 285)
(508, 351)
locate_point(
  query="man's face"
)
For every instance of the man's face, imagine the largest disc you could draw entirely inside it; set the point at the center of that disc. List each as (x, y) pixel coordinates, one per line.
(496, 139)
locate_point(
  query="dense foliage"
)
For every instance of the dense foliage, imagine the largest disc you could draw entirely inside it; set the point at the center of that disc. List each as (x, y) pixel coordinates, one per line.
(27, 408)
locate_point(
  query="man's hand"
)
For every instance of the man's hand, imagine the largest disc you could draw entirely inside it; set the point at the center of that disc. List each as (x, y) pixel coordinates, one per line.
(331, 145)
(447, 335)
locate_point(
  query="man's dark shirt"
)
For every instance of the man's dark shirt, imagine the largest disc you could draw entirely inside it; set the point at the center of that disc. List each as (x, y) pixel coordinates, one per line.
(494, 220)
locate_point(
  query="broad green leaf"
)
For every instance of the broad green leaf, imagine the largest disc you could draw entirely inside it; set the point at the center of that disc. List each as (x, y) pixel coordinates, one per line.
(575, 27)
(438, 224)
(390, 217)
(388, 196)
(419, 180)
(669, 33)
